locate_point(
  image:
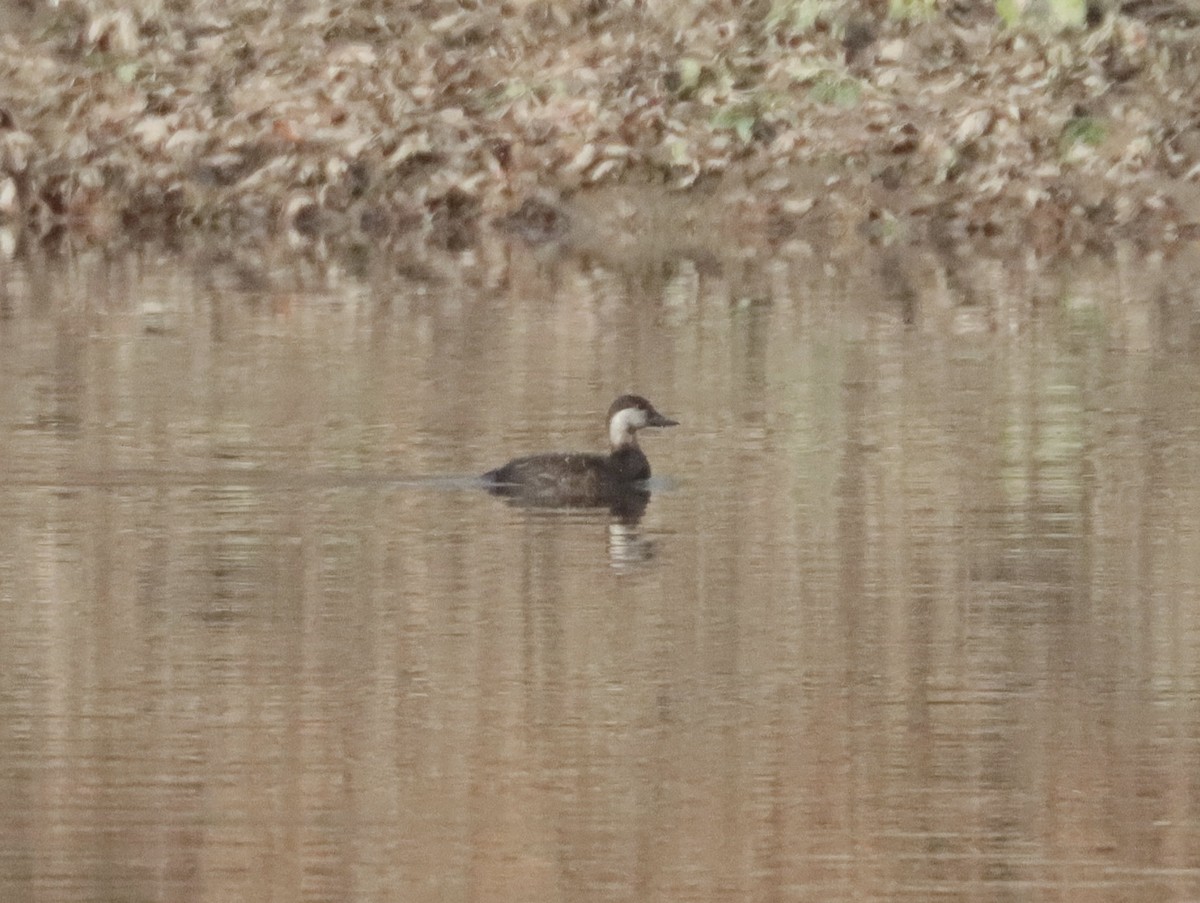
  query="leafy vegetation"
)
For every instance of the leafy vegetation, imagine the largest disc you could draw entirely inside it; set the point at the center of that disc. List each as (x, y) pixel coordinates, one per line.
(1024, 123)
(1085, 130)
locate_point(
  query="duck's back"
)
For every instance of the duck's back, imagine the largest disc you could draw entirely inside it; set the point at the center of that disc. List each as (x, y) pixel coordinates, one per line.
(575, 478)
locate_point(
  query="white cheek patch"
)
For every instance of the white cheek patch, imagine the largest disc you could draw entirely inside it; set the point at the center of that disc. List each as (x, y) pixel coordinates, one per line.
(624, 423)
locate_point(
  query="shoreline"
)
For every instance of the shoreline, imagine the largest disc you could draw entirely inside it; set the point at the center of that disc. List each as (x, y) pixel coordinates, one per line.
(344, 126)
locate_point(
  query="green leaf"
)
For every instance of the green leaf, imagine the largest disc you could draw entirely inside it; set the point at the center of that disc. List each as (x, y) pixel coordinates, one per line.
(1050, 14)
(1082, 130)
(690, 71)
(1068, 12)
(739, 119)
(799, 15)
(839, 90)
(1009, 12)
(911, 10)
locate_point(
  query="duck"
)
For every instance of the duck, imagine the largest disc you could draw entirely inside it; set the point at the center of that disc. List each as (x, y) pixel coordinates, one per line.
(582, 479)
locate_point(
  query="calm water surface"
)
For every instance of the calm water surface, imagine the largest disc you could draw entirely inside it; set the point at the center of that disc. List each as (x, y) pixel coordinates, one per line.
(915, 614)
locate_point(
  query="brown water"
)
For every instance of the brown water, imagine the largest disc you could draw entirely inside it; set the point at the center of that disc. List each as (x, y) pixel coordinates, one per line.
(916, 617)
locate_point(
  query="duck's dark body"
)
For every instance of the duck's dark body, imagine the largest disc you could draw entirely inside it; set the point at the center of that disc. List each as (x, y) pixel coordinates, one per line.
(575, 477)
(583, 480)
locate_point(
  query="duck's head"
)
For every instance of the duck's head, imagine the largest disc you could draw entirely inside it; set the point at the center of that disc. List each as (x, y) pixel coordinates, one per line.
(630, 413)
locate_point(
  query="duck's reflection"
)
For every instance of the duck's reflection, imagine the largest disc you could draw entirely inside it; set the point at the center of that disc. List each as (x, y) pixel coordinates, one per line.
(627, 546)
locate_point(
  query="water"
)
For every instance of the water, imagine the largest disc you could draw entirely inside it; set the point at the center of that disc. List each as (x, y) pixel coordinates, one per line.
(914, 613)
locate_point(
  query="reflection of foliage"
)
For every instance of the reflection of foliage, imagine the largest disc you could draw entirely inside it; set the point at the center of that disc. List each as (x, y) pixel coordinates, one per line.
(1085, 318)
